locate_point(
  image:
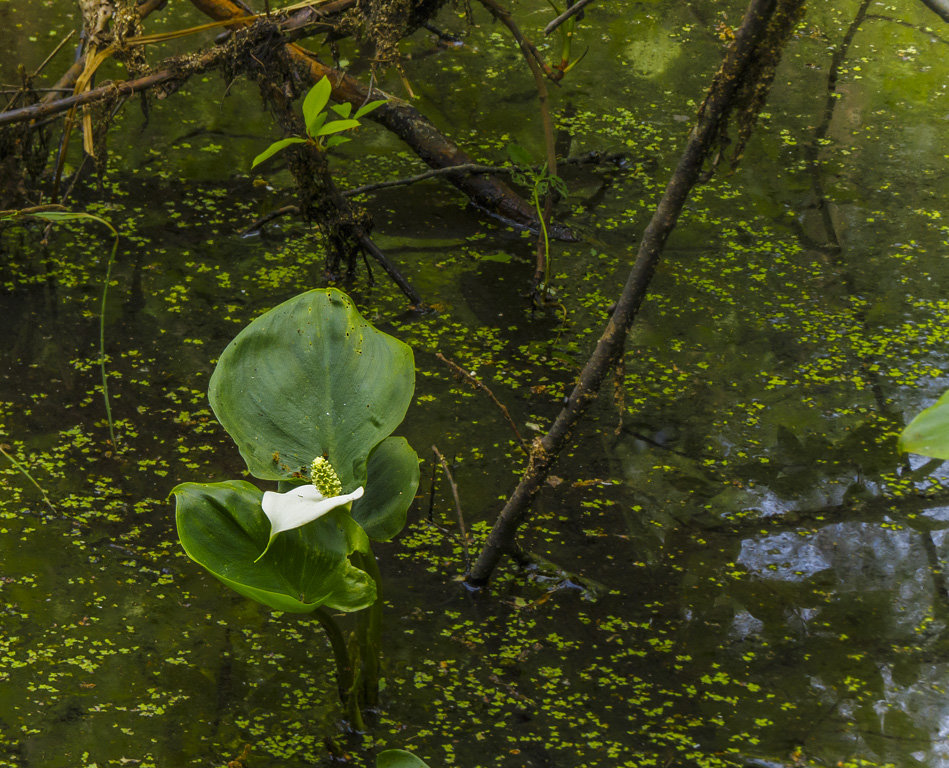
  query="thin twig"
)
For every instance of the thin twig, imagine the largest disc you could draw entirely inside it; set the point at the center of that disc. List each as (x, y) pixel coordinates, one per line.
(56, 50)
(25, 472)
(901, 22)
(573, 10)
(457, 369)
(527, 47)
(287, 210)
(461, 519)
(448, 170)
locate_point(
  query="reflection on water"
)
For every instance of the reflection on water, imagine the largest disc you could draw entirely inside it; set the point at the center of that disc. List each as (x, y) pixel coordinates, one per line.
(773, 572)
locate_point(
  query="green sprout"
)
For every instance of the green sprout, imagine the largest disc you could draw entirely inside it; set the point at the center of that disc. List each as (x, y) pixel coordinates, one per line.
(540, 184)
(321, 132)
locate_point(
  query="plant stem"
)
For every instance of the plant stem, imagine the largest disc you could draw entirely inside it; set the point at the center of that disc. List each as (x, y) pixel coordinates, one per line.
(344, 670)
(24, 471)
(369, 629)
(105, 378)
(543, 229)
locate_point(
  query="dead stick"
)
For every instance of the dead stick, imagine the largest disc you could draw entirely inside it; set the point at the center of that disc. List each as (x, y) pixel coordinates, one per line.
(400, 280)
(45, 109)
(461, 519)
(529, 49)
(545, 450)
(287, 210)
(68, 79)
(484, 388)
(573, 10)
(452, 169)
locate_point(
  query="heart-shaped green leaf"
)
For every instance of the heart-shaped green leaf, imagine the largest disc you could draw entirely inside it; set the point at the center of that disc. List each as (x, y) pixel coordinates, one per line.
(223, 528)
(392, 479)
(343, 110)
(928, 433)
(311, 378)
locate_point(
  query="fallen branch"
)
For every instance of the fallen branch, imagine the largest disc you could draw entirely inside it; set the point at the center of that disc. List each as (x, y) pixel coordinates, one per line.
(739, 58)
(106, 91)
(411, 126)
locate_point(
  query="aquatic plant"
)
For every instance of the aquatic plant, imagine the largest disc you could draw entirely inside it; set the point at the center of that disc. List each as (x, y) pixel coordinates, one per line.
(319, 132)
(540, 183)
(56, 214)
(311, 393)
(928, 433)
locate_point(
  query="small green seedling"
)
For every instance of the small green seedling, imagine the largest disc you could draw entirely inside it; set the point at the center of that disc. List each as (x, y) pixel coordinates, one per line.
(540, 184)
(320, 131)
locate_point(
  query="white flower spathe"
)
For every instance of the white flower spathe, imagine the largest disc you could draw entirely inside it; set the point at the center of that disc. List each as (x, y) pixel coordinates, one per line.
(299, 506)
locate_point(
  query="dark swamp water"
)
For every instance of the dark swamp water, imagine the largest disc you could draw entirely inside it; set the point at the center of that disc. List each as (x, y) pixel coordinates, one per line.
(770, 569)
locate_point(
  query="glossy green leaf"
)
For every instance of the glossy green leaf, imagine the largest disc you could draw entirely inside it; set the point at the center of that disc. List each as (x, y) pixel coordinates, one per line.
(313, 128)
(315, 102)
(365, 109)
(343, 110)
(335, 141)
(336, 126)
(311, 378)
(274, 148)
(928, 433)
(223, 528)
(392, 481)
(399, 758)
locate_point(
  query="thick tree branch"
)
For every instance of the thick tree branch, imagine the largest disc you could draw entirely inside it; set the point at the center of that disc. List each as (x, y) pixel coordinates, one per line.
(939, 7)
(545, 450)
(412, 127)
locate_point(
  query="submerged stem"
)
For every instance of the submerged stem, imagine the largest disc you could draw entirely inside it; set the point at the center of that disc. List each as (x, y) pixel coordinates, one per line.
(26, 473)
(344, 670)
(369, 635)
(105, 378)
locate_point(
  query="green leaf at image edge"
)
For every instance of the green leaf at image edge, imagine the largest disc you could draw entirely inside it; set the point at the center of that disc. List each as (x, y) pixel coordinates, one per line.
(928, 433)
(223, 528)
(311, 378)
(399, 758)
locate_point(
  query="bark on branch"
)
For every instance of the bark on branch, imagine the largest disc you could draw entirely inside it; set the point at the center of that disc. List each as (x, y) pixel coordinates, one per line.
(411, 126)
(738, 60)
